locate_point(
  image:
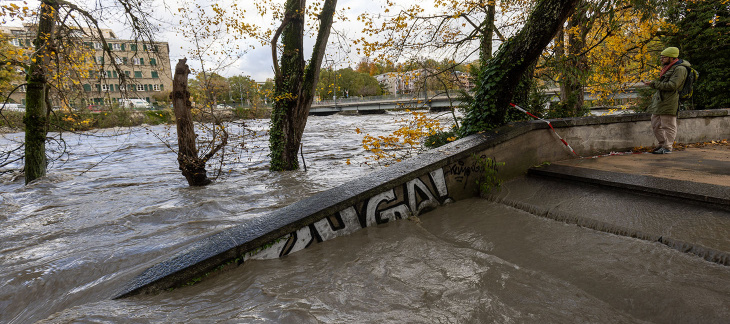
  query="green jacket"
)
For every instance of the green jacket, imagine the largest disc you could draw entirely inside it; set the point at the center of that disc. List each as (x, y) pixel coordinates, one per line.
(666, 99)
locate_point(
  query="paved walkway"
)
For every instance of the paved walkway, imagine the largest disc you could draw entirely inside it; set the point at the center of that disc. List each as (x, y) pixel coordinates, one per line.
(701, 174)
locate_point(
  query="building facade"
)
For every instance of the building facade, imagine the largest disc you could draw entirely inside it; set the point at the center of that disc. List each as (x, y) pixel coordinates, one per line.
(145, 67)
(416, 81)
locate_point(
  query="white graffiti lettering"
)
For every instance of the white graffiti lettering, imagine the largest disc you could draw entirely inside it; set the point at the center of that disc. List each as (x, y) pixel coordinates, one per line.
(349, 219)
(373, 203)
(417, 196)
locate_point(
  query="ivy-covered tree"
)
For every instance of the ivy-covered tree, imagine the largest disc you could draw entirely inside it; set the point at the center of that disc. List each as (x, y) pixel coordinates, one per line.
(57, 60)
(502, 74)
(295, 80)
(703, 38)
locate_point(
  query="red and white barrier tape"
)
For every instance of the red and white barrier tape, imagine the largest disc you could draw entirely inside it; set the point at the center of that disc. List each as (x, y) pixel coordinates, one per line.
(549, 124)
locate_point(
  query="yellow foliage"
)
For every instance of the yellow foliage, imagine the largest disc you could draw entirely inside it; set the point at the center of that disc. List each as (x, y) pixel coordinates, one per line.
(403, 142)
(625, 57)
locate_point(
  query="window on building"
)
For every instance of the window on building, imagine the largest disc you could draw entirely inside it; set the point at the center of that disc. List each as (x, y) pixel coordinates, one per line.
(127, 73)
(133, 47)
(109, 74)
(122, 87)
(97, 45)
(136, 61)
(99, 59)
(118, 60)
(137, 74)
(156, 87)
(117, 47)
(140, 87)
(153, 62)
(154, 74)
(15, 42)
(104, 87)
(124, 60)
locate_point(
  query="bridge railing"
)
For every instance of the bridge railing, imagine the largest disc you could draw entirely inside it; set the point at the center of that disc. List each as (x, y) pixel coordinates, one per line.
(396, 97)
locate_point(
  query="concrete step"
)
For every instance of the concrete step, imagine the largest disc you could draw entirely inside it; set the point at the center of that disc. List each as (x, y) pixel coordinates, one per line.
(704, 193)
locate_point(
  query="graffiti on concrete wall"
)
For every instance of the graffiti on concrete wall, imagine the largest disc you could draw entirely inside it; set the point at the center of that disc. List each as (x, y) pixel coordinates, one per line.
(411, 199)
(461, 171)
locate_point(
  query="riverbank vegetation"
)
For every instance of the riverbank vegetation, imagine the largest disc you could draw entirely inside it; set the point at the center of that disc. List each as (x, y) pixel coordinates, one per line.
(61, 121)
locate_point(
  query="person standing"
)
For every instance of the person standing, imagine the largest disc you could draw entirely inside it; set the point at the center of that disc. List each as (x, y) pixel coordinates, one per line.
(665, 101)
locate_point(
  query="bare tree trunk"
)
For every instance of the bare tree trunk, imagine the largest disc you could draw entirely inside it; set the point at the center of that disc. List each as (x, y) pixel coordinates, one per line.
(192, 167)
(571, 85)
(295, 82)
(485, 50)
(500, 77)
(37, 109)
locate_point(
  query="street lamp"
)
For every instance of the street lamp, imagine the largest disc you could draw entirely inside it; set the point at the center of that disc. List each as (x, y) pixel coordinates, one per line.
(334, 89)
(240, 92)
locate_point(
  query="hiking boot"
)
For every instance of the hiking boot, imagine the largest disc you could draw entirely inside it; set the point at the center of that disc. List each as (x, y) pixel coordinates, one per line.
(661, 150)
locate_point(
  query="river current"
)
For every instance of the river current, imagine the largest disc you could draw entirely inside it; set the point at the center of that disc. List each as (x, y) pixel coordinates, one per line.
(118, 204)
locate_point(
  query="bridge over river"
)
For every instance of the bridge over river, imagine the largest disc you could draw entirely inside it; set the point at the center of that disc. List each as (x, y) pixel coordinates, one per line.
(432, 100)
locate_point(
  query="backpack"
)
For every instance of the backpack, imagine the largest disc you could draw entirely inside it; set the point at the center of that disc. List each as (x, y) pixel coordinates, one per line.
(692, 76)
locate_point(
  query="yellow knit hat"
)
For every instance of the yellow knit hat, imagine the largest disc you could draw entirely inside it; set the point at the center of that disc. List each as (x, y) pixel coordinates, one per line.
(670, 52)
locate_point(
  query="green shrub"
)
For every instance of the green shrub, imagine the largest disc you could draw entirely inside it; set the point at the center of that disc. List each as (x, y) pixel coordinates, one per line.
(440, 138)
(157, 117)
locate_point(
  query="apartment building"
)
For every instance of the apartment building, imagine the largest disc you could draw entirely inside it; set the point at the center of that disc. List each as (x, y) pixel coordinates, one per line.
(146, 67)
(413, 81)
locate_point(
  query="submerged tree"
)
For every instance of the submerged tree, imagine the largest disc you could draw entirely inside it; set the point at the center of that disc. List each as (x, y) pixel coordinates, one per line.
(191, 165)
(60, 24)
(295, 80)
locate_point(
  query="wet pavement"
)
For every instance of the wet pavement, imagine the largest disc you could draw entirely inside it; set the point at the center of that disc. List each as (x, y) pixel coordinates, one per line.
(695, 174)
(681, 200)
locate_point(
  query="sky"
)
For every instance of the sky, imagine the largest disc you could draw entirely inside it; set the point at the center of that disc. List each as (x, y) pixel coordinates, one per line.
(256, 62)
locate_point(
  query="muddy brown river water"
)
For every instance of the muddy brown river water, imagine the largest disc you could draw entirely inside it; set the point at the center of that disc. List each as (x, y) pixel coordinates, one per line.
(69, 242)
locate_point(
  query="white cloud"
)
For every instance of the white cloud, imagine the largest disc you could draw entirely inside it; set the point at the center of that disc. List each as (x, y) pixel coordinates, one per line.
(255, 62)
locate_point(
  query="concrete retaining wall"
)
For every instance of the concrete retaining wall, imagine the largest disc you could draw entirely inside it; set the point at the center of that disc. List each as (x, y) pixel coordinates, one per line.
(412, 187)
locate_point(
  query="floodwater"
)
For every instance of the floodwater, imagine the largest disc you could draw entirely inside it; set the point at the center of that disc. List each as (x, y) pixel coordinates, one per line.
(118, 205)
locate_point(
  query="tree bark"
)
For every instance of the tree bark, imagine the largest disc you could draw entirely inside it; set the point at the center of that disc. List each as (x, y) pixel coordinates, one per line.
(37, 108)
(572, 81)
(485, 49)
(295, 82)
(501, 76)
(192, 167)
